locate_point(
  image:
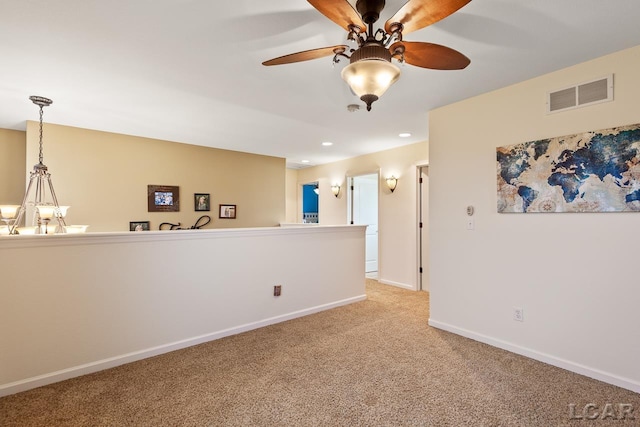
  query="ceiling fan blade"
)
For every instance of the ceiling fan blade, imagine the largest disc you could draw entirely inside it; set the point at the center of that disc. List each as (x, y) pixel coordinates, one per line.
(417, 14)
(341, 12)
(307, 55)
(433, 56)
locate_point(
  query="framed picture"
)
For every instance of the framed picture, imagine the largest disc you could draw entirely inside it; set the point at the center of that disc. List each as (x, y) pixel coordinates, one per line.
(139, 226)
(163, 198)
(228, 211)
(202, 202)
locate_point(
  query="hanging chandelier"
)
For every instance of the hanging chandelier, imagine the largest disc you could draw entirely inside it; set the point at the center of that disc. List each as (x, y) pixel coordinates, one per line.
(45, 202)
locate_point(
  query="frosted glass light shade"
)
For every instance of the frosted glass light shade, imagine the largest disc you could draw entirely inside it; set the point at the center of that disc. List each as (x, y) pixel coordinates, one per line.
(63, 211)
(370, 76)
(9, 211)
(76, 229)
(27, 230)
(46, 211)
(392, 182)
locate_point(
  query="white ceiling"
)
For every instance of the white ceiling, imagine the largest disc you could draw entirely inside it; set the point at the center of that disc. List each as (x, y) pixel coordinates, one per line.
(190, 70)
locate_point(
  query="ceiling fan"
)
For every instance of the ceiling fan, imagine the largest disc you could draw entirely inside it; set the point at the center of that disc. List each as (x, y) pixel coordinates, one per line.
(371, 72)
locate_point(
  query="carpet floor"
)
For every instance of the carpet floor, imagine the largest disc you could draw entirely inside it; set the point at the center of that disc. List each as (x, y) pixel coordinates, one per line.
(372, 363)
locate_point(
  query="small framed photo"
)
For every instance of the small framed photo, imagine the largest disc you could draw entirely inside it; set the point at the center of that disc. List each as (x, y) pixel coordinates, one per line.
(163, 198)
(228, 211)
(202, 202)
(139, 226)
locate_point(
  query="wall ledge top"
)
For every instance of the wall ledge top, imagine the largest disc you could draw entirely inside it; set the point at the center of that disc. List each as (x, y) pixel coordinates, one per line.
(104, 238)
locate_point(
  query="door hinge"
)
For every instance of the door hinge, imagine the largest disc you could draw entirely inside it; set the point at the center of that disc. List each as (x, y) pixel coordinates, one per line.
(420, 270)
(420, 225)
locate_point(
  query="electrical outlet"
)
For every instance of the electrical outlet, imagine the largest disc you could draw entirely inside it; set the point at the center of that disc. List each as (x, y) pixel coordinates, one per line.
(277, 290)
(518, 314)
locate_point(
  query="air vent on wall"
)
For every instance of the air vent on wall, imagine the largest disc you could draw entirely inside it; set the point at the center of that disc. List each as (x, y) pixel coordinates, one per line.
(581, 95)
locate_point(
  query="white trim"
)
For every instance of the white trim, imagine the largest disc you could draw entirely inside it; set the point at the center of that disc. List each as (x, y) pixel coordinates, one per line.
(542, 357)
(397, 284)
(88, 368)
(105, 238)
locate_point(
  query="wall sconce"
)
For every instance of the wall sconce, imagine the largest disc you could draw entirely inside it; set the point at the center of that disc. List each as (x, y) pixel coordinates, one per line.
(335, 189)
(392, 182)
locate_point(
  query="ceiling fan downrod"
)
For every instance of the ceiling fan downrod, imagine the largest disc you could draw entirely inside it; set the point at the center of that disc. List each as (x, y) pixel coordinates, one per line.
(370, 10)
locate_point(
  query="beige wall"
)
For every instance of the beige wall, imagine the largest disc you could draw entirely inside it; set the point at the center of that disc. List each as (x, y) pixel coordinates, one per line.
(12, 166)
(574, 275)
(292, 196)
(397, 215)
(104, 177)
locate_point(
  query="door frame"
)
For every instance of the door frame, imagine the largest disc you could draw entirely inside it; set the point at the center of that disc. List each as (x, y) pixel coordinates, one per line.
(420, 268)
(300, 212)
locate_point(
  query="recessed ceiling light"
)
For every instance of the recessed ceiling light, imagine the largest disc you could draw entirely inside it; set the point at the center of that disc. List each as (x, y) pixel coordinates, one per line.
(304, 161)
(327, 143)
(404, 135)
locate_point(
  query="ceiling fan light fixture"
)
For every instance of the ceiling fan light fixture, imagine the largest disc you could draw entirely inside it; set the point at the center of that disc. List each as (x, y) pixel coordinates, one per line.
(369, 79)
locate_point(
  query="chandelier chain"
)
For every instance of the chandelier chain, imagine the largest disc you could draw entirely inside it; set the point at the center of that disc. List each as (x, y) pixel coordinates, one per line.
(41, 102)
(40, 157)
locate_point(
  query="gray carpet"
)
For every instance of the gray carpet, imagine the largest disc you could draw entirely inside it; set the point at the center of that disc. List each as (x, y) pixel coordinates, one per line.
(373, 363)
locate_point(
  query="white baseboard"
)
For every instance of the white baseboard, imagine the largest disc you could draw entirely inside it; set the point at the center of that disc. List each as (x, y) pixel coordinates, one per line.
(99, 365)
(542, 357)
(397, 284)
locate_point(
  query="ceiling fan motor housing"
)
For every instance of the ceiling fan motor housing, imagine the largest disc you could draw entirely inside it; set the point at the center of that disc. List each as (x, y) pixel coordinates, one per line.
(371, 50)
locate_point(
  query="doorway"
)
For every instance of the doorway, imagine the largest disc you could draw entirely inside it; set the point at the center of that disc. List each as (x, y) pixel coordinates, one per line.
(423, 228)
(310, 209)
(363, 210)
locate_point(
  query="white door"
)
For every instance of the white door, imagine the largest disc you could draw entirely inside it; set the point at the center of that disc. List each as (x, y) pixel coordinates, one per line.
(365, 211)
